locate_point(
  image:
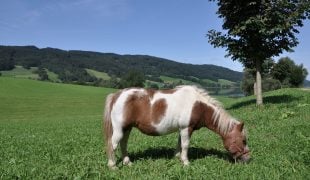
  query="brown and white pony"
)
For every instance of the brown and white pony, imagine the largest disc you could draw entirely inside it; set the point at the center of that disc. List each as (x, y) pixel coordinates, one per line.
(160, 112)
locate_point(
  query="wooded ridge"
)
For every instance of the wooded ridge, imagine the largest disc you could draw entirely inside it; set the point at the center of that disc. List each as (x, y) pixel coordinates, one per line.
(70, 65)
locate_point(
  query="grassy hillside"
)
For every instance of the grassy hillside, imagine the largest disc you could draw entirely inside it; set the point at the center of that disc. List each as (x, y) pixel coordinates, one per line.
(97, 74)
(53, 131)
(20, 72)
(53, 77)
(222, 86)
(168, 79)
(220, 82)
(226, 82)
(70, 65)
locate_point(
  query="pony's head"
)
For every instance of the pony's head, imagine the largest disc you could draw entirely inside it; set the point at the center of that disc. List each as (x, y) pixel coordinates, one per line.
(236, 143)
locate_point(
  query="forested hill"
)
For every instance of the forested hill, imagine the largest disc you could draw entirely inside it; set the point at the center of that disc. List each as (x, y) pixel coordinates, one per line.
(73, 63)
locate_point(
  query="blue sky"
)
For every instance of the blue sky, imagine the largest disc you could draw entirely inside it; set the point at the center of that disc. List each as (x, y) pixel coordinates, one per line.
(172, 29)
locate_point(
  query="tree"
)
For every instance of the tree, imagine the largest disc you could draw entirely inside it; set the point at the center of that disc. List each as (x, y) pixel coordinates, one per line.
(248, 81)
(132, 79)
(257, 30)
(288, 73)
(298, 76)
(42, 74)
(281, 70)
(7, 61)
(152, 85)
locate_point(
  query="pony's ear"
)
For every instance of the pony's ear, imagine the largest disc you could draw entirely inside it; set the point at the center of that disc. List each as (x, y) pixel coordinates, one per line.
(240, 126)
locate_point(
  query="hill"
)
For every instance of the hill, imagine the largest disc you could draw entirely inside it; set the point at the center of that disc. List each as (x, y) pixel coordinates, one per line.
(306, 83)
(80, 66)
(54, 131)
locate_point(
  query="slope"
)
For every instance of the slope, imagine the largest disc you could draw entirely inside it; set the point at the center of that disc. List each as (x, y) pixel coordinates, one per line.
(71, 65)
(54, 131)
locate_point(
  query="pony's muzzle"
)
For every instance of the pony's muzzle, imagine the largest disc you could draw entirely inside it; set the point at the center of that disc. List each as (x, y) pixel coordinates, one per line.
(245, 158)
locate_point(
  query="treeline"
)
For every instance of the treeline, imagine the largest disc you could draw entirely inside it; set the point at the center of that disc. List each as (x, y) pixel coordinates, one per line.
(141, 70)
(70, 65)
(283, 74)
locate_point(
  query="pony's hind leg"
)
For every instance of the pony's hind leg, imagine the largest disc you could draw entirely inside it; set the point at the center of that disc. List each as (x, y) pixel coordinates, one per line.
(178, 148)
(123, 144)
(115, 139)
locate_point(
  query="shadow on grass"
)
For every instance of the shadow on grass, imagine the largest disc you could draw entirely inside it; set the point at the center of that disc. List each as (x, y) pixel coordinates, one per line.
(169, 153)
(268, 100)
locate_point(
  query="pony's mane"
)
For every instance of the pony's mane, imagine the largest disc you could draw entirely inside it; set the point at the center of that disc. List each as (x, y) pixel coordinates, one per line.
(221, 118)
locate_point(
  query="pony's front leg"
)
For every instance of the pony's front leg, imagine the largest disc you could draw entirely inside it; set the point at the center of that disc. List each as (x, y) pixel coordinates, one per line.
(123, 143)
(185, 138)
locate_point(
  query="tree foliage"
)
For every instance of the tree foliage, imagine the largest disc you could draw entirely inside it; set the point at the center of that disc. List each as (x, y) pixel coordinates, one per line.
(256, 30)
(288, 73)
(283, 74)
(248, 81)
(70, 65)
(7, 61)
(259, 29)
(281, 70)
(268, 82)
(42, 74)
(133, 78)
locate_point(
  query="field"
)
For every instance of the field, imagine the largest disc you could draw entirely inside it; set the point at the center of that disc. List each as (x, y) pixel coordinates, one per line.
(168, 79)
(20, 72)
(54, 131)
(97, 74)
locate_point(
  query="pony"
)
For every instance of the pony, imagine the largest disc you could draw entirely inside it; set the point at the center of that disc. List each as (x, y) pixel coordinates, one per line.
(159, 112)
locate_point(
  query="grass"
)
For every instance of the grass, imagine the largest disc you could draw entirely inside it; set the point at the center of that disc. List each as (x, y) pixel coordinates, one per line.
(168, 79)
(226, 82)
(54, 131)
(20, 72)
(98, 74)
(52, 76)
(209, 81)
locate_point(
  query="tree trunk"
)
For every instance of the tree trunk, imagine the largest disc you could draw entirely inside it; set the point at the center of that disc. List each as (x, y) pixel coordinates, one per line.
(259, 97)
(255, 89)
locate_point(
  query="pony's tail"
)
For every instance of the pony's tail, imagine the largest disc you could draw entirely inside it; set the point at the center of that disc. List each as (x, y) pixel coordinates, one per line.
(107, 124)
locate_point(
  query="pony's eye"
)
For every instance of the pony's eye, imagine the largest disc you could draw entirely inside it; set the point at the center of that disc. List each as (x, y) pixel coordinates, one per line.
(244, 141)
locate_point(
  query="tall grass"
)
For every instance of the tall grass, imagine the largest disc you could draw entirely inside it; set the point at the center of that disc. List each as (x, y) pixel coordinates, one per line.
(54, 131)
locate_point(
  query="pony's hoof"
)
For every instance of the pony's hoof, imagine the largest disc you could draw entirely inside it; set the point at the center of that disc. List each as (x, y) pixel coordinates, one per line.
(112, 165)
(126, 161)
(186, 163)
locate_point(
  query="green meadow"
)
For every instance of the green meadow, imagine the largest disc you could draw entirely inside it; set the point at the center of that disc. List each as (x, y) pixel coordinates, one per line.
(54, 131)
(97, 74)
(21, 72)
